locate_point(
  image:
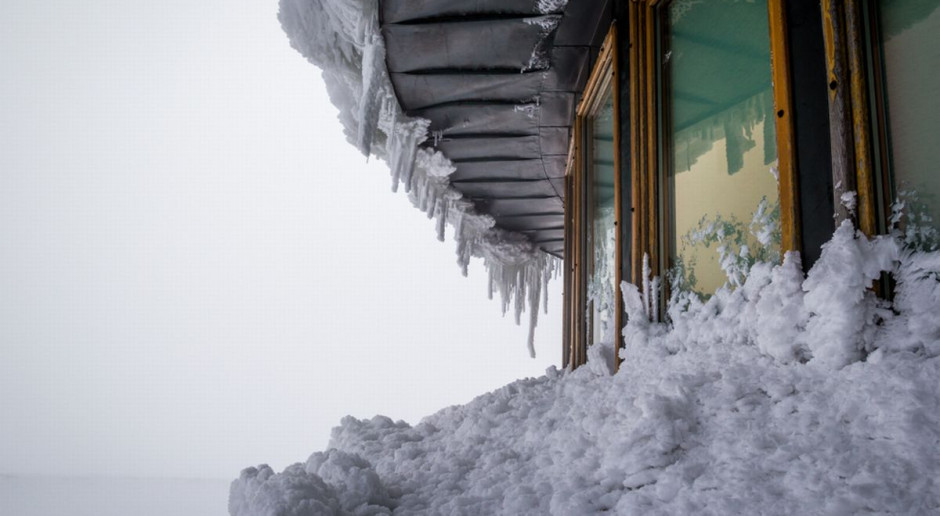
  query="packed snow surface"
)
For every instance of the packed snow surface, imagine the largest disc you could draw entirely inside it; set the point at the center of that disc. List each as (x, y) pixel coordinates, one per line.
(343, 38)
(791, 394)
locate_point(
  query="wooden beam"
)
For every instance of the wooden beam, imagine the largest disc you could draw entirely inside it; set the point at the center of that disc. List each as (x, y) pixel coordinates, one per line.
(602, 79)
(861, 124)
(644, 138)
(566, 290)
(788, 176)
(840, 116)
(618, 198)
(652, 142)
(636, 131)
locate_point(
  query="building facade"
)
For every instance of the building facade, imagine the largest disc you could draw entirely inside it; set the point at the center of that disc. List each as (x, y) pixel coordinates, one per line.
(665, 143)
(714, 134)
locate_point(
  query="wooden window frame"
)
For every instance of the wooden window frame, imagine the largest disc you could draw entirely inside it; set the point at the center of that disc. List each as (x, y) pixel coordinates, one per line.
(849, 113)
(646, 168)
(858, 140)
(869, 125)
(649, 223)
(882, 181)
(578, 255)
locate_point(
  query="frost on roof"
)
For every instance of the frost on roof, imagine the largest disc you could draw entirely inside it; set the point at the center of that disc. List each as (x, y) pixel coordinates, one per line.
(342, 37)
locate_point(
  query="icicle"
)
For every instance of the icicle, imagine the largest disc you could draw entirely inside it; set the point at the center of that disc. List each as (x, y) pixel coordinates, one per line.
(421, 196)
(490, 280)
(393, 150)
(505, 288)
(367, 22)
(373, 68)
(413, 180)
(373, 59)
(441, 219)
(408, 165)
(406, 157)
(533, 322)
(463, 254)
(344, 39)
(535, 292)
(654, 301)
(519, 291)
(432, 200)
(547, 272)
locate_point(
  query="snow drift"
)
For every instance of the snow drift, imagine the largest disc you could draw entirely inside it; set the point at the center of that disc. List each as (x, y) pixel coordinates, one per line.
(791, 394)
(343, 38)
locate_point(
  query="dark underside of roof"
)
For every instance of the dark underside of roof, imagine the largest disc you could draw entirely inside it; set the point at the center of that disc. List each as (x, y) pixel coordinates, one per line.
(499, 82)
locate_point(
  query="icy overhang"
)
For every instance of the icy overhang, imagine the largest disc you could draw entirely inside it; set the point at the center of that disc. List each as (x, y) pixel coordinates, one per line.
(498, 81)
(472, 127)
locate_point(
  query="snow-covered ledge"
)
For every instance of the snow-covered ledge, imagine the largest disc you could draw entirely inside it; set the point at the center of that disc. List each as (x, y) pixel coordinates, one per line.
(342, 37)
(791, 394)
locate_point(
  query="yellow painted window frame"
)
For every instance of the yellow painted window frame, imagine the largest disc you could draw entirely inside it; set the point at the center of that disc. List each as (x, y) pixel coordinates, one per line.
(849, 112)
(577, 220)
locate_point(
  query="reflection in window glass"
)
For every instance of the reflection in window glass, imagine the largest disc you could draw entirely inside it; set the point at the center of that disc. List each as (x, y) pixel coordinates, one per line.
(723, 206)
(910, 29)
(602, 286)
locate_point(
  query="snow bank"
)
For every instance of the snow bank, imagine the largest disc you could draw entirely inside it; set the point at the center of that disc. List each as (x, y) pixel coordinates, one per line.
(342, 37)
(792, 394)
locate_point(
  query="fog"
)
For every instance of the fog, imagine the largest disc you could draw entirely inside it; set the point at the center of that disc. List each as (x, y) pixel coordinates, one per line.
(197, 272)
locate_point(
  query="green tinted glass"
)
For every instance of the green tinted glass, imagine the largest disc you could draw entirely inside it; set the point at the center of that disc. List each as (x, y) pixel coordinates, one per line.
(723, 208)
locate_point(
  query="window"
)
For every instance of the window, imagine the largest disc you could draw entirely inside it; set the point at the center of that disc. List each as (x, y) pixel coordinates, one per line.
(601, 176)
(714, 184)
(906, 43)
(707, 181)
(592, 251)
(719, 150)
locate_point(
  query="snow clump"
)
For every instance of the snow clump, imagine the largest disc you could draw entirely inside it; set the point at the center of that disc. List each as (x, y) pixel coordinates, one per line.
(791, 394)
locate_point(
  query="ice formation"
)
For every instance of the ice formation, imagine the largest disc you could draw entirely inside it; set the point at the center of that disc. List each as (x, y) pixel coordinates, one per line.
(791, 394)
(342, 37)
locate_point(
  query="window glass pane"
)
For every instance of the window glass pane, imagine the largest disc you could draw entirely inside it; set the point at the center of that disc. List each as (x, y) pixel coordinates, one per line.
(910, 32)
(602, 287)
(720, 158)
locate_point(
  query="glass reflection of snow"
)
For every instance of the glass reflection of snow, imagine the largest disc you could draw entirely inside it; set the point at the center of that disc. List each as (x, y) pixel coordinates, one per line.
(735, 244)
(723, 208)
(601, 288)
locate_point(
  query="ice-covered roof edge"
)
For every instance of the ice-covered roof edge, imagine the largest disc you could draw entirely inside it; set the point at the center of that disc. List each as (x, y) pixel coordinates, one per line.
(343, 39)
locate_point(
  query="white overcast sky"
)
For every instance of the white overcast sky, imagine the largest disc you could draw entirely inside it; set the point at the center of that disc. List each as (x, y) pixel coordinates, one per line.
(197, 272)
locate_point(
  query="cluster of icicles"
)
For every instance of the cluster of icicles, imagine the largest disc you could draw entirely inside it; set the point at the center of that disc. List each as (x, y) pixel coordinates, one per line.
(343, 38)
